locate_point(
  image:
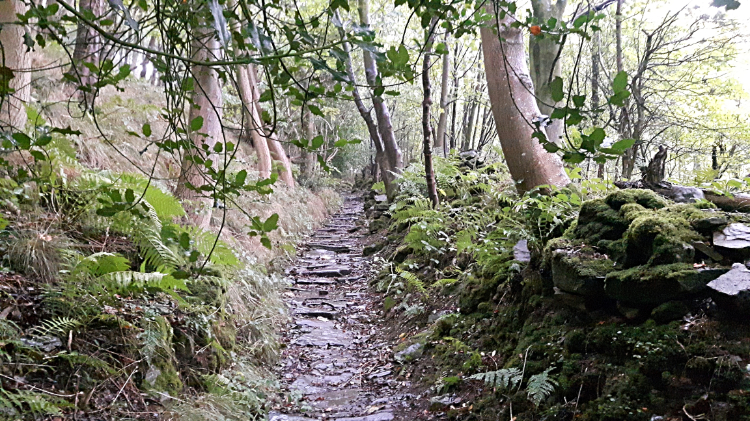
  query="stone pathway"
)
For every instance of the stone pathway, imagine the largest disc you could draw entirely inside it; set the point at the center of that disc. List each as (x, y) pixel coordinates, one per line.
(335, 357)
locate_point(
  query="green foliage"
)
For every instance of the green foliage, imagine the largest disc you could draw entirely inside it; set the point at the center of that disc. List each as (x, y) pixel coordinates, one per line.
(59, 326)
(538, 387)
(24, 404)
(506, 378)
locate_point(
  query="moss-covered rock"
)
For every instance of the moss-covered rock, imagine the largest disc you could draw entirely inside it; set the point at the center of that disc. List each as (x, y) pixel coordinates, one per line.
(659, 240)
(646, 198)
(653, 285)
(580, 272)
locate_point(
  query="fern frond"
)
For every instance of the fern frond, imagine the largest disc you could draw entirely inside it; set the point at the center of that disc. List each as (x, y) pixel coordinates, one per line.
(99, 264)
(24, 401)
(154, 252)
(506, 378)
(58, 326)
(540, 386)
(204, 241)
(129, 280)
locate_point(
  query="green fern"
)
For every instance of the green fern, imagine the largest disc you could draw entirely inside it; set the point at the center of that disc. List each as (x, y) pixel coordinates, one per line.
(99, 264)
(540, 386)
(506, 378)
(23, 402)
(129, 280)
(203, 241)
(412, 281)
(9, 330)
(58, 326)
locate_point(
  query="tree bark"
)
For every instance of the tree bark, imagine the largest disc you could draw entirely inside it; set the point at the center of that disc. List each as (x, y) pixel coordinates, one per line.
(146, 59)
(380, 159)
(444, 88)
(15, 63)
(252, 121)
(385, 127)
(426, 105)
(628, 158)
(545, 64)
(454, 98)
(514, 107)
(307, 167)
(271, 138)
(595, 87)
(207, 103)
(87, 48)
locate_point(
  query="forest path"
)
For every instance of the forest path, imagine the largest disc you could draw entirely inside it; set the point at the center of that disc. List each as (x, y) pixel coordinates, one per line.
(337, 360)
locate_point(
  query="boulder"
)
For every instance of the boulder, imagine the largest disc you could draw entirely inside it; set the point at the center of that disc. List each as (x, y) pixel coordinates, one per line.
(578, 272)
(683, 194)
(670, 311)
(649, 286)
(731, 291)
(710, 224)
(733, 236)
(411, 353)
(521, 252)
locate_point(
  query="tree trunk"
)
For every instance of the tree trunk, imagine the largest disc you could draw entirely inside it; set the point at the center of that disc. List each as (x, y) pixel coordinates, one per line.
(595, 88)
(307, 167)
(514, 107)
(443, 119)
(454, 98)
(274, 146)
(17, 60)
(252, 120)
(546, 64)
(426, 104)
(87, 49)
(372, 128)
(385, 128)
(207, 103)
(469, 125)
(628, 158)
(146, 60)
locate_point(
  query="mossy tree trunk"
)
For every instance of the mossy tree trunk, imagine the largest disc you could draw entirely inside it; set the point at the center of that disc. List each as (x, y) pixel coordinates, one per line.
(426, 129)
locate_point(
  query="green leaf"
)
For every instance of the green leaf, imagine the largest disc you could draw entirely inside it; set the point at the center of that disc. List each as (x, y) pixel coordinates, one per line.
(551, 147)
(146, 130)
(622, 145)
(315, 110)
(620, 83)
(22, 140)
(218, 147)
(574, 157)
(185, 241)
(598, 135)
(43, 140)
(266, 242)
(196, 124)
(129, 196)
(38, 155)
(317, 142)
(556, 89)
(271, 223)
(240, 177)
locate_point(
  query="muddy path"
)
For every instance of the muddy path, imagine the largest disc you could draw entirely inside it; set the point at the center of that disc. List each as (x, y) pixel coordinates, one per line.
(337, 363)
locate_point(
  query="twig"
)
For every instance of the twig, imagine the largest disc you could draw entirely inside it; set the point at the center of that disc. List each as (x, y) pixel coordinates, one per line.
(123, 386)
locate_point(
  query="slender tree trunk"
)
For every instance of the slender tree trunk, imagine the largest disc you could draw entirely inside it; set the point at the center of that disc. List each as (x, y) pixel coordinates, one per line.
(514, 107)
(207, 104)
(14, 57)
(628, 158)
(426, 105)
(469, 125)
(253, 124)
(307, 167)
(385, 127)
(146, 59)
(545, 63)
(454, 98)
(380, 158)
(444, 89)
(595, 87)
(87, 49)
(271, 138)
